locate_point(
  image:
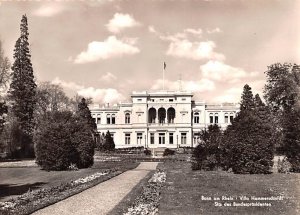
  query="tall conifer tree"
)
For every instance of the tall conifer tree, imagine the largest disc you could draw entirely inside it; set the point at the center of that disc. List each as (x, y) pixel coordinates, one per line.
(23, 89)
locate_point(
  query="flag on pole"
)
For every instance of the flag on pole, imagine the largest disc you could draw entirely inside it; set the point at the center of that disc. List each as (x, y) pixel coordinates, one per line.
(165, 65)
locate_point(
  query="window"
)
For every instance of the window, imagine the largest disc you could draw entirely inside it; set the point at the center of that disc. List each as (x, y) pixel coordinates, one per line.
(216, 118)
(231, 118)
(127, 118)
(113, 119)
(196, 118)
(211, 118)
(98, 120)
(139, 100)
(108, 119)
(161, 138)
(183, 99)
(139, 137)
(196, 138)
(183, 138)
(151, 138)
(226, 118)
(127, 139)
(171, 138)
(171, 100)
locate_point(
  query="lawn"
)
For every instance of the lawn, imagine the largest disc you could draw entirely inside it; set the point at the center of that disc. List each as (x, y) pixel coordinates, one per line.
(16, 180)
(189, 192)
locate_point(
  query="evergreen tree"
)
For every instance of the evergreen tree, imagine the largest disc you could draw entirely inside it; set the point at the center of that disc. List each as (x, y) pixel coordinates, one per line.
(109, 144)
(247, 102)
(85, 114)
(23, 89)
(248, 141)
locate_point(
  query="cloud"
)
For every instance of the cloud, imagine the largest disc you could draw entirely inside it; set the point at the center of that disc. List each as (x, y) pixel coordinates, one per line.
(108, 95)
(67, 85)
(217, 70)
(100, 96)
(215, 30)
(194, 50)
(111, 47)
(188, 32)
(49, 10)
(108, 77)
(121, 21)
(193, 86)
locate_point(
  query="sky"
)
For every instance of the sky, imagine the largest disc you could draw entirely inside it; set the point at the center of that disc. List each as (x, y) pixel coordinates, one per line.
(106, 49)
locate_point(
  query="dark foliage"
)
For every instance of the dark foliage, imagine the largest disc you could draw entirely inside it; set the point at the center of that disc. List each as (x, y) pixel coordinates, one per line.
(282, 93)
(248, 141)
(147, 152)
(23, 89)
(168, 152)
(109, 144)
(207, 155)
(62, 140)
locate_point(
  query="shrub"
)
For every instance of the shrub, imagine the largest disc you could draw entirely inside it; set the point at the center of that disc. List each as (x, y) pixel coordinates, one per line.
(54, 149)
(249, 146)
(62, 140)
(109, 144)
(147, 152)
(284, 166)
(168, 152)
(206, 156)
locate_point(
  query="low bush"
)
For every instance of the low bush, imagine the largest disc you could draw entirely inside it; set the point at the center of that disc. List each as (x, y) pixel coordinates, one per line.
(147, 152)
(168, 152)
(62, 140)
(284, 166)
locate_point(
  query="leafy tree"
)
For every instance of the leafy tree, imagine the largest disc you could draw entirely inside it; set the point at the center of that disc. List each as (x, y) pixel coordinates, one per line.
(23, 89)
(282, 93)
(109, 144)
(207, 154)
(4, 78)
(4, 69)
(248, 141)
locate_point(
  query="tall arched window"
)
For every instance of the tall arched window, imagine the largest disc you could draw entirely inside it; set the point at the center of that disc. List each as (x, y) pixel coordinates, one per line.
(152, 115)
(226, 118)
(196, 118)
(211, 118)
(108, 119)
(113, 119)
(171, 115)
(127, 118)
(216, 118)
(161, 115)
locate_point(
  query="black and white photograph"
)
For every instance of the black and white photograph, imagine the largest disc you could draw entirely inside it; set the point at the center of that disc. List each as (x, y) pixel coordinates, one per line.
(150, 107)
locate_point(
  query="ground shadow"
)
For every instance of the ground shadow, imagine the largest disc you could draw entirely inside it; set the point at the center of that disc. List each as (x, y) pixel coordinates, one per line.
(15, 189)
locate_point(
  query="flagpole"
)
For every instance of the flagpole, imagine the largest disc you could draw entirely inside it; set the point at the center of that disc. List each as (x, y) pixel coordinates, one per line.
(164, 77)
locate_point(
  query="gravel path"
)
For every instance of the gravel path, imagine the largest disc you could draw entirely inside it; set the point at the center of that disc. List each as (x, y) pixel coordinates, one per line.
(101, 198)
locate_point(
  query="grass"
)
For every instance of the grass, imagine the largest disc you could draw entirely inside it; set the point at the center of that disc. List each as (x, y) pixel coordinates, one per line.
(184, 189)
(15, 181)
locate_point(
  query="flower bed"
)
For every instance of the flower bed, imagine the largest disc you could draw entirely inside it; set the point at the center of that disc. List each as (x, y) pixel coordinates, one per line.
(40, 198)
(147, 203)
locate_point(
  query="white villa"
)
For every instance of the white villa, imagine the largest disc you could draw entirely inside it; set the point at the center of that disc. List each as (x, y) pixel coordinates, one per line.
(169, 119)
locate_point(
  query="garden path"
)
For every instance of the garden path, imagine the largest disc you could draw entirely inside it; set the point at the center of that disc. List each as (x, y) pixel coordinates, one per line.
(103, 197)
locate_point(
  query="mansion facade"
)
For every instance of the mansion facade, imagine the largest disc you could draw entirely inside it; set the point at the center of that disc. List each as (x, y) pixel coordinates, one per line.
(169, 119)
